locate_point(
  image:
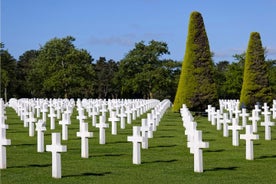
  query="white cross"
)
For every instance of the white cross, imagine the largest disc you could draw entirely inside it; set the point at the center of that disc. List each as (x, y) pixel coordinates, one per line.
(56, 148)
(257, 110)
(248, 137)
(225, 122)
(44, 110)
(84, 135)
(3, 143)
(64, 123)
(209, 111)
(24, 116)
(134, 114)
(113, 119)
(235, 132)
(151, 122)
(254, 118)
(244, 115)
(2, 115)
(122, 115)
(128, 113)
(38, 108)
(31, 121)
(237, 112)
(40, 128)
(52, 116)
(156, 116)
(58, 109)
(136, 139)
(190, 132)
(218, 116)
(103, 109)
(266, 112)
(94, 114)
(273, 110)
(267, 124)
(145, 129)
(213, 116)
(230, 110)
(81, 115)
(102, 125)
(197, 144)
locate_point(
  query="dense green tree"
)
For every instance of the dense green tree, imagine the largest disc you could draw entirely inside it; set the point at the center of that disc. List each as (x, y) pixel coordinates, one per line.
(138, 70)
(229, 77)
(105, 73)
(220, 70)
(62, 71)
(167, 76)
(255, 86)
(272, 76)
(8, 79)
(232, 85)
(23, 67)
(196, 86)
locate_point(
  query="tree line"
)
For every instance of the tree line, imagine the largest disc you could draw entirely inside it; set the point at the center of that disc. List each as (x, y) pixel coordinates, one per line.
(59, 70)
(251, 79)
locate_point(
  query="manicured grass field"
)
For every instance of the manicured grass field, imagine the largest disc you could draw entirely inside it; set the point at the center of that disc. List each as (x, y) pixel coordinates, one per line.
(166, 161)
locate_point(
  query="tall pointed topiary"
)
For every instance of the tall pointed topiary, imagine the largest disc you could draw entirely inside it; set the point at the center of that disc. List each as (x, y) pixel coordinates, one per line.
(196, 87)
(255, 87)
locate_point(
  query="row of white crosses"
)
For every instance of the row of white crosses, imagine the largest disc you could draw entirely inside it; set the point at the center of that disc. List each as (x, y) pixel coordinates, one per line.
(194, 138)
(145, 131)
(232, 108)
(28, 108)
(3, 140)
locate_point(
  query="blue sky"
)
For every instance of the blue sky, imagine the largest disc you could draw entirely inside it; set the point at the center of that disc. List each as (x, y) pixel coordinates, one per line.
(110, 28)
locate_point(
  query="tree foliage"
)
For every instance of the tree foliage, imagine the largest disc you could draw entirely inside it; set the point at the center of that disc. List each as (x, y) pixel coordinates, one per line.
(140, 70)
(196, 86)
(255, 86)
(8, 72)
(272, 76)
(105, 73)
(23, 67)
(62, 71)
(58, 69)
(229, 77)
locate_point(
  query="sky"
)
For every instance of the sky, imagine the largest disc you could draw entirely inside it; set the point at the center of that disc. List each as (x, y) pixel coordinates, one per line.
(110, 28)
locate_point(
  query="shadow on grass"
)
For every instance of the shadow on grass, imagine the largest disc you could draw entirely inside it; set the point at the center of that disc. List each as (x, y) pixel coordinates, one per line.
(211, 151)
(107, 155)
(222, 168)
(170, 125)
(31, 165)
(160, 161)
(163, 146)
(117, 142)
(165, 136)
(210, 140)
(24, 145)
(266, 156)
(16, 131)
(166, 130)
(87, 174)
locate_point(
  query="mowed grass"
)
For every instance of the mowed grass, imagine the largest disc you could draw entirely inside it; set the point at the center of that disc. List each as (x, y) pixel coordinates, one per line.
(166, 161)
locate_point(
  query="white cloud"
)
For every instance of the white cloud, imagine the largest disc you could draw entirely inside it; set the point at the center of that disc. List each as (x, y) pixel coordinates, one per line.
(125, 40)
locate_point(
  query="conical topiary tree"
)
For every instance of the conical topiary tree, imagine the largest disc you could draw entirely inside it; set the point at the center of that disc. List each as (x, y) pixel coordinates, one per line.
(255, 87)
(196, 87)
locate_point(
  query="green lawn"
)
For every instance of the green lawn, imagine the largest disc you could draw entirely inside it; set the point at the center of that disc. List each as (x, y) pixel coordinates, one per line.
(166, 161)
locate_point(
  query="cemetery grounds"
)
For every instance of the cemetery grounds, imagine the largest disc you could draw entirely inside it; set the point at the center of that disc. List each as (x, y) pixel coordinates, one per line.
(167, 160)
